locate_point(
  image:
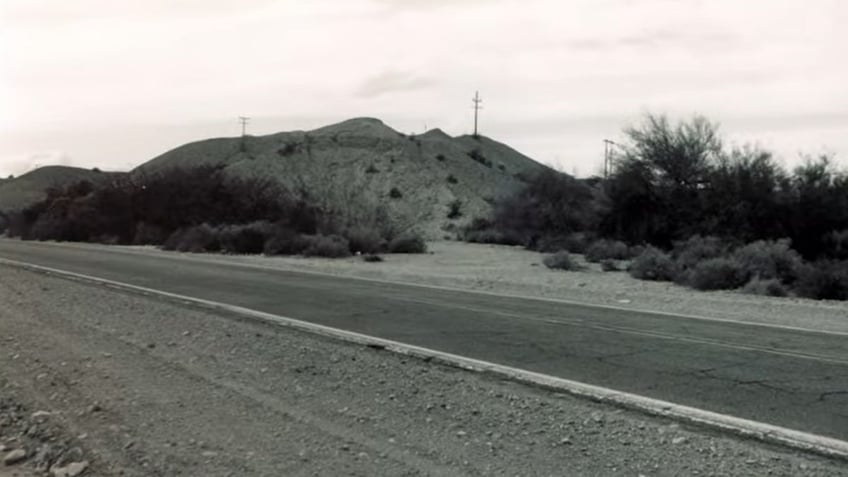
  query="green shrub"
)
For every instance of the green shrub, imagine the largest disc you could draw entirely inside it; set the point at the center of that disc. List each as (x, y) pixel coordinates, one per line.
(371, 258)
(768, 287)
(603, 249)
(441, 157)
(653, 264)
(452, 179)
(561, 261)
(407, 243)
(478, 156)
(330, 246)
(395, 193)
(823, 280)
(770, 259)
(372, 169)
(717, 274)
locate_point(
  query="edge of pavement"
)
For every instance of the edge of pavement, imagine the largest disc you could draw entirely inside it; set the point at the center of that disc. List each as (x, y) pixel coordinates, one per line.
(768, 433)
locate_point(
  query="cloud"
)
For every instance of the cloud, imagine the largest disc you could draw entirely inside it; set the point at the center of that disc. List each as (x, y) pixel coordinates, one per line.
(392, 82)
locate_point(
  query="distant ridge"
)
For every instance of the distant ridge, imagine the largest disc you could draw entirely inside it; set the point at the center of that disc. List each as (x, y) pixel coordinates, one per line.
(31, 187)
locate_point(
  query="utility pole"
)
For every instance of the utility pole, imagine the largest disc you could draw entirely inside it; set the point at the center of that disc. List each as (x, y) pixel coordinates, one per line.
(243, 120)
(477, 100)
(608, 145)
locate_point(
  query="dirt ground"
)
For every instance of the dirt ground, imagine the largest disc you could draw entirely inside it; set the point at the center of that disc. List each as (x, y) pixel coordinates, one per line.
(139, 386)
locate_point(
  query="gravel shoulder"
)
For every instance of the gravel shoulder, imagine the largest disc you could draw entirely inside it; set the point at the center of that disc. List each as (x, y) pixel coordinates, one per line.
(142, 386)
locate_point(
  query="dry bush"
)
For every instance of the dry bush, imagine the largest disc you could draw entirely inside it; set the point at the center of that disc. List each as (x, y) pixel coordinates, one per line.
(330, 246)
(561, 261)
(768, 287)
(604, 249)
(823, 280)
(770, 259)
(653, 264)
(717, 274)
(407, 243)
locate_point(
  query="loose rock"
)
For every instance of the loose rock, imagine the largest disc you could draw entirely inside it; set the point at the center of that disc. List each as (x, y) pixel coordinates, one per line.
(15, 456)
(71, 470)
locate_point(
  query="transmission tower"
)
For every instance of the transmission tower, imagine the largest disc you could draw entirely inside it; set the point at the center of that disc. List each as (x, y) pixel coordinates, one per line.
(243, 120)
(477, 100)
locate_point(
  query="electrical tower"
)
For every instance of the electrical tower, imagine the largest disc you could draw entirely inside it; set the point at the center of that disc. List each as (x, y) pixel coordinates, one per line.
(243, 120)
(477, 101)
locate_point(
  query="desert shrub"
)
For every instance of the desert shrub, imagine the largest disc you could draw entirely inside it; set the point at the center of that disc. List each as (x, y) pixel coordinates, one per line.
(561, 261)
(688, 253)
(371, 169)
(395, 193)
(653, 264)
(364, 240)
(452, 179)
(717, 274)
(407, 243)
(769, 259)
(455, 209)
(767, 287)
(441, 157)
(285, 242)
(576, 242)
(478, 156)
(502, 167)
(371, 258)
(147, 234)
(330, 246)
(197, 239)
(609, 265)
(823, 280)
(288, 149)
(492, 236)
(248, 238)
(836, 244)
(603, 249)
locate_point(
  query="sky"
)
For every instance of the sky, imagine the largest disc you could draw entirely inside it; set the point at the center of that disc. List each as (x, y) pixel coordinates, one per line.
(113, 83)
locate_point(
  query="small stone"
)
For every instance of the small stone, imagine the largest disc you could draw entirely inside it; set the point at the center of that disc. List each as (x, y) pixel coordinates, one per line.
(15, 456)
(362, 455)
(151, 345)
(38, 414)
(678, 440)
(461, 433)
(565, 441)
(94, 408)
(209, 454)
(71, 470)
(345, 447)
(186, 333)
(624, 301)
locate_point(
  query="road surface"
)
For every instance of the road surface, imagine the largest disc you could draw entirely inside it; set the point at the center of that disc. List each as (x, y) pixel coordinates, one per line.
(792, 378)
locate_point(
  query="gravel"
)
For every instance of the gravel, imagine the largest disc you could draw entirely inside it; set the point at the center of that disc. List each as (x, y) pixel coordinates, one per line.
(233, 397)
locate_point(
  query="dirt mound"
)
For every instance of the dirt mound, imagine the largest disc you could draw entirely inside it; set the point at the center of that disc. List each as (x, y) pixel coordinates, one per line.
(363, 162)
(29, 188)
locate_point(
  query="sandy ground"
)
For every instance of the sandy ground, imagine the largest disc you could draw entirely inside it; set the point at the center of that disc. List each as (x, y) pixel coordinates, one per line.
(144, 387)
(514, 271)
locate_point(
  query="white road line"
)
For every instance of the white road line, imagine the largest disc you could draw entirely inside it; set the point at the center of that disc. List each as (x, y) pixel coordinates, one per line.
(208, 259)
(822, 445)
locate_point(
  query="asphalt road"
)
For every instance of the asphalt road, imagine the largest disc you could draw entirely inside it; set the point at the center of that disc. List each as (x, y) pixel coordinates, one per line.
(797, 379)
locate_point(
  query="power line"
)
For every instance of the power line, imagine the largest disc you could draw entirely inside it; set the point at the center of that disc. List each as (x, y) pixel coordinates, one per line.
(477, 101)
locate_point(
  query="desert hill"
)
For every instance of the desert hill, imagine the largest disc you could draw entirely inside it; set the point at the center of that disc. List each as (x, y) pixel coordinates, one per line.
(433, 182)
(22, 191)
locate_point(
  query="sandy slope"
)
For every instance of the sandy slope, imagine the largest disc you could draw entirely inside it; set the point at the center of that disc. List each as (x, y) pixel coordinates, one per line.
(24, 190)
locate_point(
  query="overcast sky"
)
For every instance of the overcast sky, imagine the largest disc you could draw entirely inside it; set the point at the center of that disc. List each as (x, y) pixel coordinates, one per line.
(112, 83)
